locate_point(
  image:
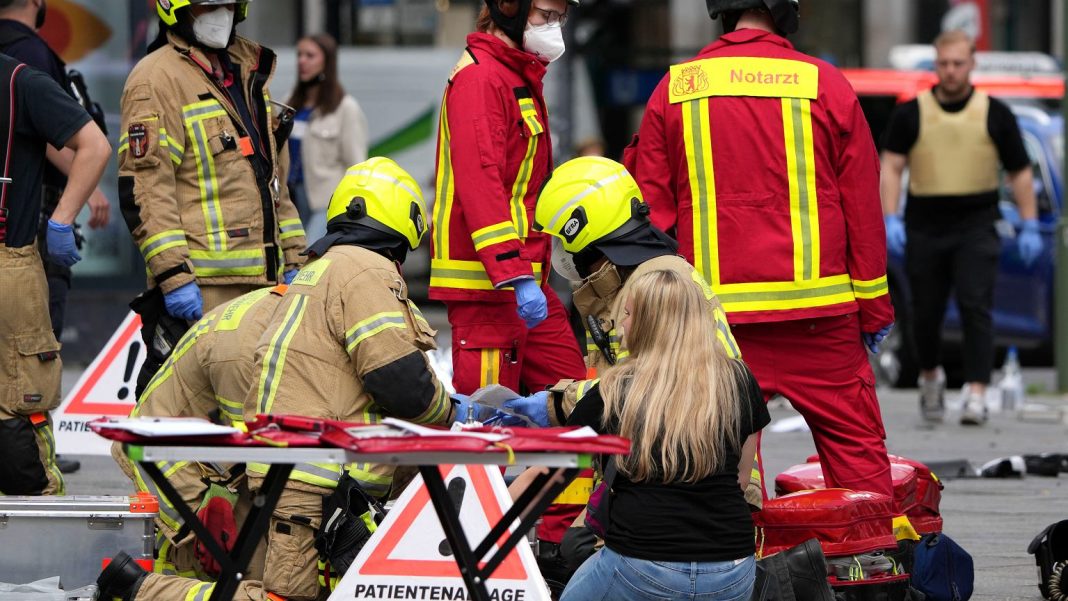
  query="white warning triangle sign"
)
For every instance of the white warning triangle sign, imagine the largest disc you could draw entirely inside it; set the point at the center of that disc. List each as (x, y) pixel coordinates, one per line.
(106, 387)
(408, 557)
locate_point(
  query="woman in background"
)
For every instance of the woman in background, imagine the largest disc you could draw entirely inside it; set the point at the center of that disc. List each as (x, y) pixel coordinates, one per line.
(676, 522)
(329, 132)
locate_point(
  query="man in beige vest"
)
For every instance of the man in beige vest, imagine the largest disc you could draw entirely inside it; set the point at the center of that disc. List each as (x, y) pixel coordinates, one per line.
(952, 139)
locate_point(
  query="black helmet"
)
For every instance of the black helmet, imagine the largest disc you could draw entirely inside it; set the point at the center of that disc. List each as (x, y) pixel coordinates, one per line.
(786, 13)
(515, 25)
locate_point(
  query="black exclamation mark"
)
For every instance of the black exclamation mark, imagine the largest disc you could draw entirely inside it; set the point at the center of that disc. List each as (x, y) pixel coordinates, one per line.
(131, 359)
(456, 488)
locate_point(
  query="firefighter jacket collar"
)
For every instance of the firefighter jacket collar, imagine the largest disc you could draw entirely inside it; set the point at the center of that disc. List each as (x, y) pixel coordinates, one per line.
(638, 246)
(745, 36)
(522, 63)
(242, 51)
(393, 248)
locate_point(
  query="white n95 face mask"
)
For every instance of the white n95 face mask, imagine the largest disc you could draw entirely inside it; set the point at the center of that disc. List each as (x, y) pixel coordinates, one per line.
(544, 41)
(213, 28)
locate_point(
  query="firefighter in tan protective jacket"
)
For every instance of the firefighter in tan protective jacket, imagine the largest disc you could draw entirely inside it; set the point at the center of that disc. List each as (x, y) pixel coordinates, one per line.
(206, 376)
(345, 343)
(200, 176)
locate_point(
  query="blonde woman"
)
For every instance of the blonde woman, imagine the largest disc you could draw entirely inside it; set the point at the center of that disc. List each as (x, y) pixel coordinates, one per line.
(677, 524)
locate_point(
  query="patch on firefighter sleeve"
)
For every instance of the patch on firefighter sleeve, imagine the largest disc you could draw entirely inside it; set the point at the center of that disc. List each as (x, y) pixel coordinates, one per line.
(138, 138)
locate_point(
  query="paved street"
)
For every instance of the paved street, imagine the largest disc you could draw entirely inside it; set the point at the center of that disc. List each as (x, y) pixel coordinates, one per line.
(992, 519)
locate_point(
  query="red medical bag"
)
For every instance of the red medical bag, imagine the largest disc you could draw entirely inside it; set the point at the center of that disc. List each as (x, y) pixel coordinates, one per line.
(917, 491)
(846, 522)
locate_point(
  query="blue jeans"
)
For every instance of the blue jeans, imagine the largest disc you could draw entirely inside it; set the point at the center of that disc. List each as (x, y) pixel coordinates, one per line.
(609, 575)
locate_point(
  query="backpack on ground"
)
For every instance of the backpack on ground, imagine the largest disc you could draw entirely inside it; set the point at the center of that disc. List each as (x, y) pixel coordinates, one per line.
(941, 569)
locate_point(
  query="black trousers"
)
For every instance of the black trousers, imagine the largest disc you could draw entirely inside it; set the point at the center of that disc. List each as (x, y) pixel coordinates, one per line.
(964, 259)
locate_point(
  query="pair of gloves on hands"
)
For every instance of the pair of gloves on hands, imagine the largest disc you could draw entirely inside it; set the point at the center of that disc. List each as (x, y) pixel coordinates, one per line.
(533, 407)
(186, 302)
(1028, 242)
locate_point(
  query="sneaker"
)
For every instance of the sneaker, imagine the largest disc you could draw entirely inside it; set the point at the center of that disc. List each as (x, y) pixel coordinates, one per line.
(933, 398)
(974, 413)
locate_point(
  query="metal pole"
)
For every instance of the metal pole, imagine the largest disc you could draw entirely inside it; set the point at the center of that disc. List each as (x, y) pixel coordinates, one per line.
(1060, 239)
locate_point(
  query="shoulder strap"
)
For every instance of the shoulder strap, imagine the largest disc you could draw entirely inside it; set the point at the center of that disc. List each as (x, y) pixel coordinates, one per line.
(601, 512)
(9, 70)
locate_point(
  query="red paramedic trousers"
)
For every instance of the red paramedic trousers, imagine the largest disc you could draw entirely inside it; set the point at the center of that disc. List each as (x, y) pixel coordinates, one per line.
(821, 366)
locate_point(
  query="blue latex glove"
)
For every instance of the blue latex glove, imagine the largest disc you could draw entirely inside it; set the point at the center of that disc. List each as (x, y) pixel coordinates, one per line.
(533, 308)
(185, 302)
(872, 339)
(62, 249)
(288, 276)
(1029, 242)
(895, 234)
(464, 404)
(534, 407)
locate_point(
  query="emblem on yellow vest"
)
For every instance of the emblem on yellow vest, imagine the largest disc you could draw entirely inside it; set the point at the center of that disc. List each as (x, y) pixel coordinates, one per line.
(689, 80)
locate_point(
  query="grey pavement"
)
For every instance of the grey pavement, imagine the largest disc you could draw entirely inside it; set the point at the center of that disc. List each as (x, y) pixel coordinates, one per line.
(994, 520)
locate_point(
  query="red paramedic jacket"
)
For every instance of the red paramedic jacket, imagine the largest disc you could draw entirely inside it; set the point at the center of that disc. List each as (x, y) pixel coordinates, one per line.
(760, 160)
(494, 152)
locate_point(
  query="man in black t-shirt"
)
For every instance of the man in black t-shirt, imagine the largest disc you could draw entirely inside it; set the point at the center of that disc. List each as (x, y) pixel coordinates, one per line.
(952, 138)
(19, 22)
(35, 112)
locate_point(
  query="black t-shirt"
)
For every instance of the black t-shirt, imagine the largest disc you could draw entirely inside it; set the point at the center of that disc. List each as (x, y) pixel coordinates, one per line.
(705, 521)
(28, 47)
(44, 113)
(939, 211)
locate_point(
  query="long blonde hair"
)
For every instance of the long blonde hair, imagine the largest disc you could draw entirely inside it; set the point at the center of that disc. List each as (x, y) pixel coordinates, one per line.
(676, 397)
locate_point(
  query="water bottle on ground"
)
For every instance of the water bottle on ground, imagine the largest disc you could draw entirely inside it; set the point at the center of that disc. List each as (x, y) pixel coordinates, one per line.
(1011, 384)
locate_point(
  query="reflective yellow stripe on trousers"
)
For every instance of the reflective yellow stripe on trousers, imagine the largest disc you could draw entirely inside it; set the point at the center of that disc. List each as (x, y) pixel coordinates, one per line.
(489, 369)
